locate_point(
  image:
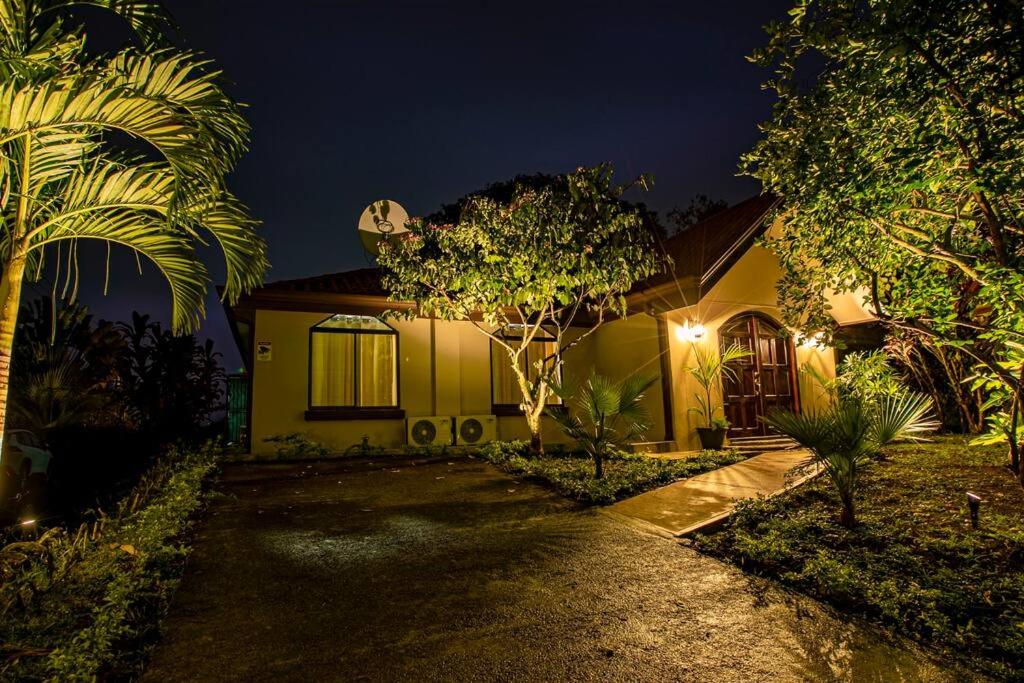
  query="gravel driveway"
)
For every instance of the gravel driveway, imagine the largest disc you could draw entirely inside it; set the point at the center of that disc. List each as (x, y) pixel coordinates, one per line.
(452, 571)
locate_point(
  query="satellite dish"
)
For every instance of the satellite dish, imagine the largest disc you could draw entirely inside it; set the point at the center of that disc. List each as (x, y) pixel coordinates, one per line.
(379, 221)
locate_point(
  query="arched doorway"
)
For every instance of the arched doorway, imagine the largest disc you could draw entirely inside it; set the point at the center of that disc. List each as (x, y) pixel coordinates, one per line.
(764, 380)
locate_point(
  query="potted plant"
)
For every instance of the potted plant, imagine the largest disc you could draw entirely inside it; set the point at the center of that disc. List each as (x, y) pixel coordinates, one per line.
(709, 370)
(712, 437)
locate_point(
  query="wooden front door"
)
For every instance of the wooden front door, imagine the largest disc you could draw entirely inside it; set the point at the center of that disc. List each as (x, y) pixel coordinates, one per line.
(765, 380)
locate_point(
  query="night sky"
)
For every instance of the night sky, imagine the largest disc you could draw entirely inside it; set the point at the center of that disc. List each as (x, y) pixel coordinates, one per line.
(424, 102)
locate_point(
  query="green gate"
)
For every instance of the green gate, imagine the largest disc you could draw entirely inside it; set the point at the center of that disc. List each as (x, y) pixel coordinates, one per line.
(238, 409)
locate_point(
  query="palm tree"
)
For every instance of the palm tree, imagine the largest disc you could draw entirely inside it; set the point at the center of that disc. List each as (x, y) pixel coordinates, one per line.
(844, 438)
(72, 167)
(612, 415)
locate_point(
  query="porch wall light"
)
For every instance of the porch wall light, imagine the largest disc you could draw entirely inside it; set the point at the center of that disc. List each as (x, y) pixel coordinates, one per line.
(691, 331)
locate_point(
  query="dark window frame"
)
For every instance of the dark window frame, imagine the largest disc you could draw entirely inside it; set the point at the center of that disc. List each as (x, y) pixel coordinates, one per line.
(353, 411)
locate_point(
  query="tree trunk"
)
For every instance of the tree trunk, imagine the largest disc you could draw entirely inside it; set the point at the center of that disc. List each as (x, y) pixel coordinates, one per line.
(1014, 445)
(10, 300)
(536, 443)
(846, 515)
(598, 466)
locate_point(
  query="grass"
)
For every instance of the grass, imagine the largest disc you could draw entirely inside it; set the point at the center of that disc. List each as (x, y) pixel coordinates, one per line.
(913, 563)
(572, 473)
(86, 605)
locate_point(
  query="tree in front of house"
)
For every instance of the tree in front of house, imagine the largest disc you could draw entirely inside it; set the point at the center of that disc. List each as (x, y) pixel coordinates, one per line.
(899, 158)
(549, 262)
(130, 149)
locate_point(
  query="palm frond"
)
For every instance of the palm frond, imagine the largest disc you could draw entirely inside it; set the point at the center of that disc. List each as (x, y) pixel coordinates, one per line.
(182, 82)
(86, 103)
(812, 430)
(171, 251)
(245, 251)
(147, 18)
(599, 398)
(55, 156)
(58, 107)
(632, 412)
(14, 20)
(906, 416)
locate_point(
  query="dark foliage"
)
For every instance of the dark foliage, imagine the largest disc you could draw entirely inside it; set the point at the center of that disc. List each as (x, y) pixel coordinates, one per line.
(85, 604)
(700, 208)
(172, 385)
(504, 190)
(104, 397)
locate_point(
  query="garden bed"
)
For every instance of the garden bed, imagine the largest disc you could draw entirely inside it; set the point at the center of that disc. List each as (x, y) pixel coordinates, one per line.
(625, 474)
(86, 605)
(913, 562)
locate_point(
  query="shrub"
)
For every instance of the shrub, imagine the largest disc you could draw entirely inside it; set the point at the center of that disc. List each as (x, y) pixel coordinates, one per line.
(84, 605)
(607, 415)
(296, 445)
(571, 472)
(844, 438)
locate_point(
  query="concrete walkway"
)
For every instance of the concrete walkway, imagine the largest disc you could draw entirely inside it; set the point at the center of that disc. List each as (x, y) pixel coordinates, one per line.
(692, 504)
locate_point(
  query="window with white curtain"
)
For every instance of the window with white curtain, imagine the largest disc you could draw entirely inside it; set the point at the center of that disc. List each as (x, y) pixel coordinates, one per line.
(353, 362)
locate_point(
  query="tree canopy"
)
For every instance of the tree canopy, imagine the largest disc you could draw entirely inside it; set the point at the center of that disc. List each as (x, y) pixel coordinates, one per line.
(539, 258)
(896, 144)
(131, 149)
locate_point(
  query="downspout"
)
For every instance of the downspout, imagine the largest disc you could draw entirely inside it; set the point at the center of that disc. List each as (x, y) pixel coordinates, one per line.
(666, 376)
(433, 367)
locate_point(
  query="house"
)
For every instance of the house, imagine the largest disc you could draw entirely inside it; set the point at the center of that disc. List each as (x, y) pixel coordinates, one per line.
(322, 361)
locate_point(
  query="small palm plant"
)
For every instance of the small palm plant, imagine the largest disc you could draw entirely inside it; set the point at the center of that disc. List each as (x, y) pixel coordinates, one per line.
(844, 438)
(609, 415)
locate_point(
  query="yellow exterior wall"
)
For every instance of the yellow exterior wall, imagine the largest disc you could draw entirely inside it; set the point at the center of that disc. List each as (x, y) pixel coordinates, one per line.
(461, 385)
(749, 286)
(280, 393)
(630, 347)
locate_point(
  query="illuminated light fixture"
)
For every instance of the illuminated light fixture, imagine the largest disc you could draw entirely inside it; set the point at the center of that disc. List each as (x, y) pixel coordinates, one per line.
(691, 331)
(27, 522)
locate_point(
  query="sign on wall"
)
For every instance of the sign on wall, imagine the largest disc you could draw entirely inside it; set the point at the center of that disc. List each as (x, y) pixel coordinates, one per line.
(264, 350)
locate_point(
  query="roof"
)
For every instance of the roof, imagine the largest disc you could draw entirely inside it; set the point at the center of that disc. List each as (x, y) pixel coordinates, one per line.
(706, 249)
(363, 282)
(700, 254)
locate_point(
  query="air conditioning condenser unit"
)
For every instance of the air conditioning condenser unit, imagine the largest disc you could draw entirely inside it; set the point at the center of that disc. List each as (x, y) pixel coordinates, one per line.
(428, 431)
(473, 430)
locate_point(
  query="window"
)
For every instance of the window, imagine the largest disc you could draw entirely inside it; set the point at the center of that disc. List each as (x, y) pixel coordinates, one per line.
(353, 363)
(504, 385)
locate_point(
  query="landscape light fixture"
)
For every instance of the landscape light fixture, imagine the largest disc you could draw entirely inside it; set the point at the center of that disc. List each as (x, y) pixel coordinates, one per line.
(974, 504)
